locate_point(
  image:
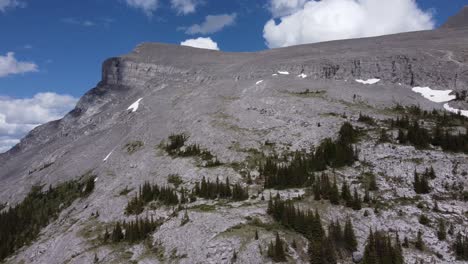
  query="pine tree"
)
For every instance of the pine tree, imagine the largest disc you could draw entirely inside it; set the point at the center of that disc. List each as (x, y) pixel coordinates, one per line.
(442, 232)
(349, 236)
(346, 194)
(256, 234)
(276, 250)
(419, 244)
(334, 193)
(117, 234)
(356, 204)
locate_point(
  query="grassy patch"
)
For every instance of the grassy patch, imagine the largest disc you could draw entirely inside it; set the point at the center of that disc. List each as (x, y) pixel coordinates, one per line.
(204, 208)
(133, 146)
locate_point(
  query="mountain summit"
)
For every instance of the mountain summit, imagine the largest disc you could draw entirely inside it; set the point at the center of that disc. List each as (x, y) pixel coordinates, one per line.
(459, 20)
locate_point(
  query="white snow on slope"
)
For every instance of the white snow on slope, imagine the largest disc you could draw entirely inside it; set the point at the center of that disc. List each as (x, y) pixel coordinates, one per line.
(368, 81)
(456, 111)
(259, 82)
(302, 75)
(438, 96)
(135, 105)
(108, 156)
(283, 72)
(274, 74)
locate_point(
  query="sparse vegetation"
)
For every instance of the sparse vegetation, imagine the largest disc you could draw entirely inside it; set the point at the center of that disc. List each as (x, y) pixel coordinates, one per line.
(133, 146)
(21, 224)
(176, 147)
(148, 193)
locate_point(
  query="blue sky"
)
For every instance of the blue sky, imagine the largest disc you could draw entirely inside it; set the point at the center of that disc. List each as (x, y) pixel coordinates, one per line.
(57, 47)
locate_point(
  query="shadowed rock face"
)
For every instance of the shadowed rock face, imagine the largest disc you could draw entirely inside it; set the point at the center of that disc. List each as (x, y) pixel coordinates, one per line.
(217, 99)
(459, 20)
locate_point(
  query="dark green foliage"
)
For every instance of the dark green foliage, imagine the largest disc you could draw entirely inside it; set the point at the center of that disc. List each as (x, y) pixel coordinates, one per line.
(366, 119)
(133, 146)
(148, 193)
(307, 223)
(299, 170)
(442, 230)
(276, 250)
(21, 224)
(424, 220)
(346, 194)
(334, 194)
(135, 231)
(421, 137)
(421, 183)
(461, 247)
(256, 234)
(177, 141)
(383, 136)
(350, 241)
(175, 180)
(214, 190)
(322, 251)
(380, 249)
(419, 244)
(356, 204)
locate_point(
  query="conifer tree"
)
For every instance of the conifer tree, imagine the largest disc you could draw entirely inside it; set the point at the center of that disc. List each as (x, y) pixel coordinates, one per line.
(356, 204)
(334, 193)
(419, 244)
(276, 250)
(441, 232)
(256, 234)
(117, 234)
(349, 236)
(346, 194)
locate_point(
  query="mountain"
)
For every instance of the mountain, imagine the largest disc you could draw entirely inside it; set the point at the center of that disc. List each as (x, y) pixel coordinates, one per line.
(459, 20)
(178, 117)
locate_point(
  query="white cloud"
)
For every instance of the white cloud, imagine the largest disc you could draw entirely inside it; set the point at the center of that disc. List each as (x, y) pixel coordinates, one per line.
(10, 4)
(184, 6)
(212, 24)
(202, 43)
(19, 116)
(285, 7)
(9, 65)
(325, 20)
(148, 6)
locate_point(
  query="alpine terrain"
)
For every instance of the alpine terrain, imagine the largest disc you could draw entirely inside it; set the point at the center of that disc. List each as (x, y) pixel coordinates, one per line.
(337, 152)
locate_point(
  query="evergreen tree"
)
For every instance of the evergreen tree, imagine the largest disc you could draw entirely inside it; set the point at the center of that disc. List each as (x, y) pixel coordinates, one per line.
(276, 250)
(256, 234)
(349, 236)
(356, 204)
(442, 232)
(346, 194)
(419, 244)
(334, 193)
(117, 234)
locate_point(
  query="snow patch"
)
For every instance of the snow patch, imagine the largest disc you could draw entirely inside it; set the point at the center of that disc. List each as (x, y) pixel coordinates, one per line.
(274, 74)
(438, 96)
(283, 72)
(456, 111)
(135, 105)
(368, 81)
(259, 82)
(302, 75)
(107, 157)
(95, 179)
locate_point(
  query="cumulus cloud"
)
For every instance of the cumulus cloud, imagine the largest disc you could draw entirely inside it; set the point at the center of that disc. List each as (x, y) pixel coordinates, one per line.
(317, 21)
(280, 8)
(10, 4)
(184, 6)
(9, 65)
(147, 6)
(202, 43)
(19, 116)
(212, 24)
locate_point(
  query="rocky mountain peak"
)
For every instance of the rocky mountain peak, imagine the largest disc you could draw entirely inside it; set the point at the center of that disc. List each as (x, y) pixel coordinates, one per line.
(459, 20)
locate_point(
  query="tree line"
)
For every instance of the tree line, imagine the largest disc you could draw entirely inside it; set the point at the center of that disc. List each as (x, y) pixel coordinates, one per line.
(413, 133)
(322, 246)
(298, 172)
(177, 147)
(21, 224)
(213, 190)
(151, 192)
(132, 231)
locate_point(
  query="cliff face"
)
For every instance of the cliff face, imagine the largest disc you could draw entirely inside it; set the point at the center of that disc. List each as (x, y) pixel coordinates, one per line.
(241, 107)
(460, 20)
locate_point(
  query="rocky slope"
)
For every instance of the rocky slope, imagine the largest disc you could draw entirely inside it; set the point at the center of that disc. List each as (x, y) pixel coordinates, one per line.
(242, 107)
